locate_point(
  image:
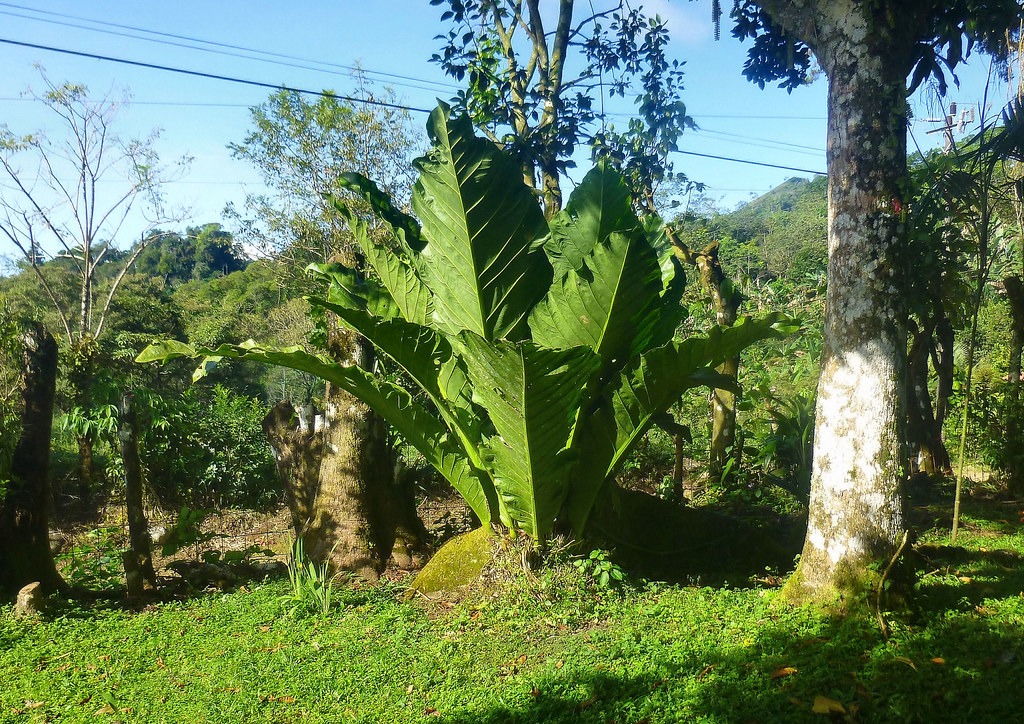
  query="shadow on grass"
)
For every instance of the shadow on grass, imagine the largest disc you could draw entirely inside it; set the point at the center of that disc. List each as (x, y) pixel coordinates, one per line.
(86, 603)
(955, 671)
(978, 514)
(657, 540)
(961, 579)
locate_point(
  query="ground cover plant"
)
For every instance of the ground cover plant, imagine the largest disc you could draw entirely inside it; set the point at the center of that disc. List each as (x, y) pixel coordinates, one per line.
(551, 645)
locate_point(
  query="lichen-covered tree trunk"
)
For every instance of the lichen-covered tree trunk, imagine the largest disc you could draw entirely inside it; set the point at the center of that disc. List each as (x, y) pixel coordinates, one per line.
(24, 528)
(342, 526)
(855, 516)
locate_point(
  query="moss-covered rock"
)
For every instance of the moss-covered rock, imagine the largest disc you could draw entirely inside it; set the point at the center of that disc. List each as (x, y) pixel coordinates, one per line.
(457, 563)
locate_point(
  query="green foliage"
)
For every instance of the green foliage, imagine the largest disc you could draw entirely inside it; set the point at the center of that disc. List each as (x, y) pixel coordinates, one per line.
(93, 423)
(95, 562)
(11, 348)
(312, 586)
(602, 572)
(545, 351)
(187, 531)
(617, 49)
(544, 650)
(207, 448)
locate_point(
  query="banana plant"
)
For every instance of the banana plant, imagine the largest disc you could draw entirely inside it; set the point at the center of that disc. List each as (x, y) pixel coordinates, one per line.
(544, 351)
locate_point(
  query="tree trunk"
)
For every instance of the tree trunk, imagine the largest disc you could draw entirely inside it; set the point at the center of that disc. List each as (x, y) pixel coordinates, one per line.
(80, 379)
(341, 487)
(855, 515)
(341, 528)
(942, 361)
(296, 449)
(139, 558)
(1013, 453)
(726, 299)
(24, 527)
(924, 434)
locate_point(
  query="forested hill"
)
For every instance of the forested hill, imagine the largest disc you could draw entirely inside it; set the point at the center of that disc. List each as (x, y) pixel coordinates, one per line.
(779, 234)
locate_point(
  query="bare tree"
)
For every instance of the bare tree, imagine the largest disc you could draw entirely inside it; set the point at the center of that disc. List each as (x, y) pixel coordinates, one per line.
(71, 197)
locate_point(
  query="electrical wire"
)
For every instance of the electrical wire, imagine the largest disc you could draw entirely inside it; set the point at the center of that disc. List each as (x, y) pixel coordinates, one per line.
(347, 68)
(214, 76)
(752, 163)
(322, 94)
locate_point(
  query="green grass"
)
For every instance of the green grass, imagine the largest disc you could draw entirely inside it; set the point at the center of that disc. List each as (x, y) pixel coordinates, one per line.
(548, 649)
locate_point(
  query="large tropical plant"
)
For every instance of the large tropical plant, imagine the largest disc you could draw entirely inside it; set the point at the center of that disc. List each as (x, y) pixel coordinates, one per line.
(544, 351)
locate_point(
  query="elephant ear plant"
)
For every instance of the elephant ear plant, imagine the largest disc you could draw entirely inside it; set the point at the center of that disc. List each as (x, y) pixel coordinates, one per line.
(544, 351)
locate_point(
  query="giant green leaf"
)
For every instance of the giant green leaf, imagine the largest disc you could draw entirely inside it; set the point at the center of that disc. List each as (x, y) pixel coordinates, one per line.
(425, 356)
(418, 425)
(531, 395)
(406, 228)
(610, 304)
(394, 272)
(482, 225)
(599, 206)
(663, 375)
(666, 372)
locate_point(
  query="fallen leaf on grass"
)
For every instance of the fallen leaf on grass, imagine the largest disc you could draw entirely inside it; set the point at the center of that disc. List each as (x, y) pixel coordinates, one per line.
(105, 709)
(824, 705)
(34, 704)
(160, 664)
(430, 711)
(939, 660)
(783, 671)
(705, 671)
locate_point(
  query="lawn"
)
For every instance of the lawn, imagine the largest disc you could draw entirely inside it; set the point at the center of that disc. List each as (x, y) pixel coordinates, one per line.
(552, 646)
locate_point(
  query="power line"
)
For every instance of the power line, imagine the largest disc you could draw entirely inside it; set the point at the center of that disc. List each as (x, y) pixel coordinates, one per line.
(813, 149)
(778, 145)
(751, 163)
(325, 94)
(213, 76)
(191, 39)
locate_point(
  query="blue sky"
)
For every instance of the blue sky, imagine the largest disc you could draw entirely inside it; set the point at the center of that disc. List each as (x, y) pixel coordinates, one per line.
(314, 42)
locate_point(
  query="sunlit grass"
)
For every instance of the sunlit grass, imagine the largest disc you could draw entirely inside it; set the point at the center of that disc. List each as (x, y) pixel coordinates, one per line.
(544, 650)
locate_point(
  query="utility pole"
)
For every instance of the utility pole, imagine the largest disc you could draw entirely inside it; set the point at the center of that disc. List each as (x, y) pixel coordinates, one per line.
(950, 123)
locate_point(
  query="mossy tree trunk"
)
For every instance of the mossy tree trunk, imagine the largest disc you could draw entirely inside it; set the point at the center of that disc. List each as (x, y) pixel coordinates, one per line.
(855, 516)
(24, 524)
